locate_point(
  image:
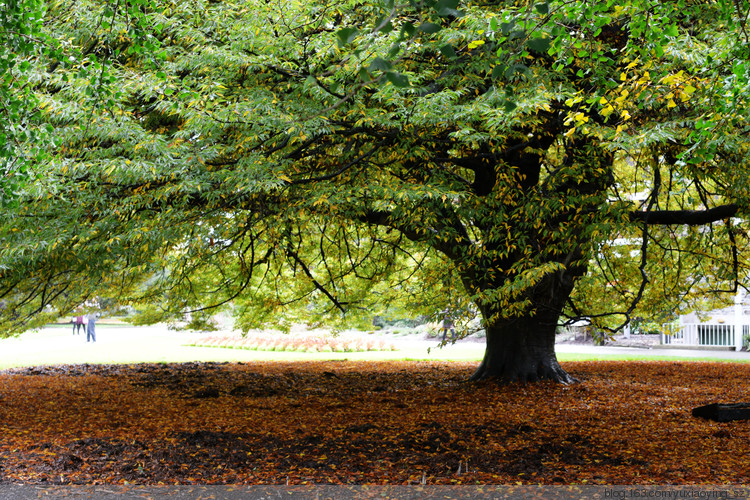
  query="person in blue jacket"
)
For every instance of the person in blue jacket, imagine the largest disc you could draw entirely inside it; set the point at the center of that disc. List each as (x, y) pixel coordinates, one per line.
(91, 329)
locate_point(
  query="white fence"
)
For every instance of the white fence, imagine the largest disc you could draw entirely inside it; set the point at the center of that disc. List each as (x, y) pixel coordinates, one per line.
(705, 334)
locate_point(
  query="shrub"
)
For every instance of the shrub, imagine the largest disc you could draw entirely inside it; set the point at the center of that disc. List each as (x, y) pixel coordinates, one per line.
(293, 343)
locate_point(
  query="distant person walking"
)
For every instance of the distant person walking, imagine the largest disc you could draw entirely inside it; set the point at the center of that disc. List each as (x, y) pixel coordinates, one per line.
(91, 329)
(448, 325)
(78, 324)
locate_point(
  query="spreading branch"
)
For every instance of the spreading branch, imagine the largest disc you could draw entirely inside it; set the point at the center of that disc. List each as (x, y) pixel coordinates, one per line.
(685, 217)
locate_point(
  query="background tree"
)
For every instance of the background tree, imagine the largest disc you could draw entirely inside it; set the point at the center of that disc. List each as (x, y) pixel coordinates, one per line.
(259, 153)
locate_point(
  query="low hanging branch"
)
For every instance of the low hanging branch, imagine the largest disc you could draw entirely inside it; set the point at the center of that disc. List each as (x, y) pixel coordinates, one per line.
(686, 217)
(663, 217)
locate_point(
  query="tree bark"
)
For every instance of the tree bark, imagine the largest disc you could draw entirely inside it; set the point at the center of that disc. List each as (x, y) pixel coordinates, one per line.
(686, 217)
(522, 349)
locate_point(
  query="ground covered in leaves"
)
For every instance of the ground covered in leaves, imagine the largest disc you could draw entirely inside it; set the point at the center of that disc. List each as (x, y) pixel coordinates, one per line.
(369, 423)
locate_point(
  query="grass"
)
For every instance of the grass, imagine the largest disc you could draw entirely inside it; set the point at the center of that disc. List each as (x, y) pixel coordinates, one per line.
(156, 344)
(122, 344)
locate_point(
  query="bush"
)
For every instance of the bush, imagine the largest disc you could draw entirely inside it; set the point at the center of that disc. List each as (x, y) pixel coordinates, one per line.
(408, 323)
(294, 343)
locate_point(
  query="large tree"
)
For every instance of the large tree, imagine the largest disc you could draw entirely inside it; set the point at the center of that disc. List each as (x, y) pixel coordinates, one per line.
(261, 152)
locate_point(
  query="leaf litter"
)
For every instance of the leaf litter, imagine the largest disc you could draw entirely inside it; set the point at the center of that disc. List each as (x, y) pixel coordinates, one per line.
(343, 422)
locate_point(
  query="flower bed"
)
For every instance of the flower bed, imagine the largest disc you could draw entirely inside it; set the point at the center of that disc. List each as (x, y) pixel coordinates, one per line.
(290, 343)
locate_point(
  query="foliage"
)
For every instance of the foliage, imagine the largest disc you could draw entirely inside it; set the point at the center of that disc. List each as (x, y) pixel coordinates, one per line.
(20, 32)
(368, 423)
(340, 160)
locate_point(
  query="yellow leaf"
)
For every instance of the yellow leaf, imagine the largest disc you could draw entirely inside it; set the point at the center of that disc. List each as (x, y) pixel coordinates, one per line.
(670, 79)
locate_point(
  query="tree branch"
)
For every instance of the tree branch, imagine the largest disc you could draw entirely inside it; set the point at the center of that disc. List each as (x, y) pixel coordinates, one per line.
(685, 217)
(339, 305)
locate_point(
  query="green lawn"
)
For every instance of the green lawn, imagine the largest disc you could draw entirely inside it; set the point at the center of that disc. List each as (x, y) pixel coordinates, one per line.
(127, 344)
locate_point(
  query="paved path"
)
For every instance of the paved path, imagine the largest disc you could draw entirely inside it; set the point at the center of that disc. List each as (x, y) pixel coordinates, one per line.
(654, 351)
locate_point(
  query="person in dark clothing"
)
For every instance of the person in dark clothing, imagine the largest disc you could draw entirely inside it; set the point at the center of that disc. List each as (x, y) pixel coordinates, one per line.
(448, 325)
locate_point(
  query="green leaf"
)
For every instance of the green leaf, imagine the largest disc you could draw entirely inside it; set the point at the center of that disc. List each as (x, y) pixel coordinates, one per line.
(429, 27)
(507, 27)
(540, 45)
(446, 8)
(518, 69)
(499, 71)
(397, 79)
(542, 8)
(408, 30)
(448, 52)
(380, 64)
(383, 26)
(346, 36)
(364, 75)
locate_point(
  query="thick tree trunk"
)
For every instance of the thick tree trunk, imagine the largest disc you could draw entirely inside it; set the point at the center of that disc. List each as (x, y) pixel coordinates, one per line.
(523, 349)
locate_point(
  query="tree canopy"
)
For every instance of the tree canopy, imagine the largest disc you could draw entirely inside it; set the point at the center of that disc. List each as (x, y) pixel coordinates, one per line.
(540, 161)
